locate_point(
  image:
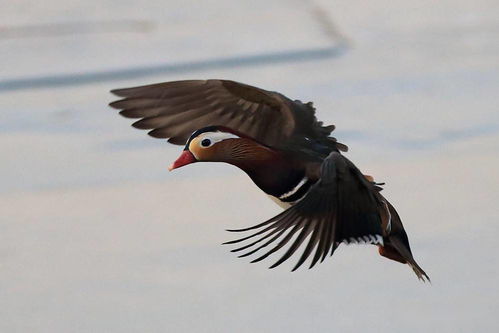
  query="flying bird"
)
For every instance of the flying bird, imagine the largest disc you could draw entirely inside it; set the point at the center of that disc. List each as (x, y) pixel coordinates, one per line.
(288, 154)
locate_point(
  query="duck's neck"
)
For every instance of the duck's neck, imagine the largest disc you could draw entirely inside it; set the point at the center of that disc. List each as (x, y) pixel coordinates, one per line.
(275, 179)
(270, 170)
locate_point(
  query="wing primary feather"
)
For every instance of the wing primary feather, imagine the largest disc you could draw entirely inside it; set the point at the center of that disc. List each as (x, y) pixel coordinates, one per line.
(246, 238)
(177, 101)
(295, 245)
(279, 234)
(275, 218)
(164, 108)
(282, 225)
(182, 119)
(282, 242)
(329, 223)
(273, 226)
(331, 234)
(316, 234)
(320, 249)
(158, 89)
(308, 249)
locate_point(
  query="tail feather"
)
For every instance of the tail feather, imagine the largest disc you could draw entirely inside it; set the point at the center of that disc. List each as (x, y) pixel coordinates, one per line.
(397, 245)
(405, 253)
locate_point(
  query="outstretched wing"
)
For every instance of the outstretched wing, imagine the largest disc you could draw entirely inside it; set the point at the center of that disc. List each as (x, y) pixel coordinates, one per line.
(174, 110)
(341, 207)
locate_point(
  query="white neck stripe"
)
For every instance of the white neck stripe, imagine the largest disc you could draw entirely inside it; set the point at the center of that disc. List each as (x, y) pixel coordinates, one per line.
(389, 224)
(294, 190)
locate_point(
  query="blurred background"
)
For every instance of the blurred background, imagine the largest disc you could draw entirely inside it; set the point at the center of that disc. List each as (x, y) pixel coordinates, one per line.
(97, 236)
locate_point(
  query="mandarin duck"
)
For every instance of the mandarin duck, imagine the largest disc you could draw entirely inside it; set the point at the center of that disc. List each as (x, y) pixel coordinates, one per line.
(287, 153)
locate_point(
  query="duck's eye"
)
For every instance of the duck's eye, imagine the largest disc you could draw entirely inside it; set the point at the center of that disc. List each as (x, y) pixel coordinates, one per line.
(206, 143)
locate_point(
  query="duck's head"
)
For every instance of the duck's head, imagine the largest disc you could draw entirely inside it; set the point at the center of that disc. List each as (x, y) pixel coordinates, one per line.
(215, 144)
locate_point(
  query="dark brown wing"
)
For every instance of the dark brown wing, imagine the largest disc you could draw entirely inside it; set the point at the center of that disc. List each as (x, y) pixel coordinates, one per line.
(175, 110)
(341, 207)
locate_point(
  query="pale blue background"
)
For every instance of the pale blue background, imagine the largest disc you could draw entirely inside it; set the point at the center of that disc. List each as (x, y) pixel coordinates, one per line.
(97, 236)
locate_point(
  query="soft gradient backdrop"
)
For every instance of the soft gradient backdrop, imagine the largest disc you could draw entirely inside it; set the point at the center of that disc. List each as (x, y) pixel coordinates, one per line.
(97, 236)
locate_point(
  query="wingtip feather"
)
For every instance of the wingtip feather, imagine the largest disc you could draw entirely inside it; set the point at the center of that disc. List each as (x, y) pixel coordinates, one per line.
(120, 92)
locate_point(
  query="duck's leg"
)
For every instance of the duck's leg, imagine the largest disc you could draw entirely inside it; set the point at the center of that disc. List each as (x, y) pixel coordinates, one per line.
(369, 178)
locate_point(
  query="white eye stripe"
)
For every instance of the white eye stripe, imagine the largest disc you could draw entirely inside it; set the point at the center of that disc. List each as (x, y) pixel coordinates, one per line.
(215, 137)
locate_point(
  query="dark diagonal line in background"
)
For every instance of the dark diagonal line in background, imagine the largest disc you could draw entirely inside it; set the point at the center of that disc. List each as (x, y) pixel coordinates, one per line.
(326, 23)
(75, 79)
